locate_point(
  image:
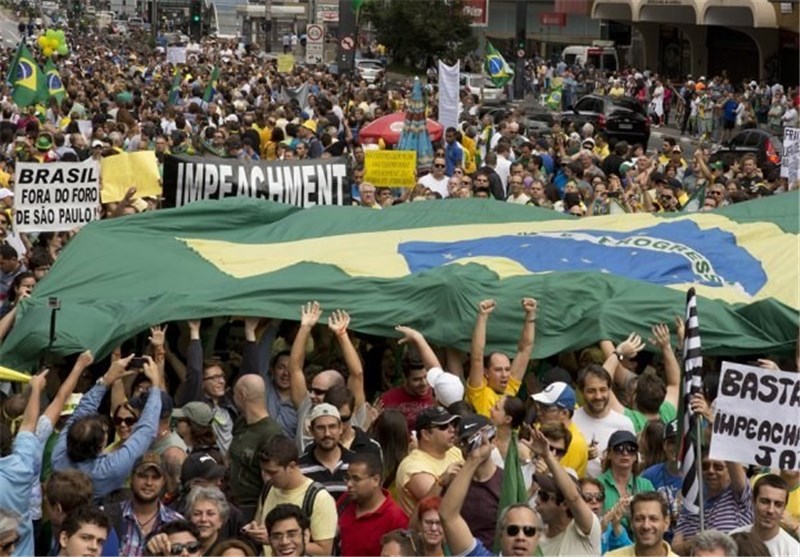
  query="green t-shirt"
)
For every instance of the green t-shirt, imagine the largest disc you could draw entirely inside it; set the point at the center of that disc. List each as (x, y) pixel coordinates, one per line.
(666, 413)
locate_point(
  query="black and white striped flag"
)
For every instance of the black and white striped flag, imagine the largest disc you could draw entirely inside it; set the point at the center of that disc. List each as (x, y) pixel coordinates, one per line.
(692, 383)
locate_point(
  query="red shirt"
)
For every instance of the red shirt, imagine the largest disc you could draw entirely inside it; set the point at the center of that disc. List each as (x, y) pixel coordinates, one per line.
(361, 536)
(399, 399)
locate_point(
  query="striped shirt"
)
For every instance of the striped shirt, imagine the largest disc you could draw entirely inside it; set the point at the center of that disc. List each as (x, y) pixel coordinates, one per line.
(724, 513)
(333, 480)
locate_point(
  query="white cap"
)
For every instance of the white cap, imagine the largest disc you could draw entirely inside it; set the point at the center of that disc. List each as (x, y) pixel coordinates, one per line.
(5, 192)
(447, 388)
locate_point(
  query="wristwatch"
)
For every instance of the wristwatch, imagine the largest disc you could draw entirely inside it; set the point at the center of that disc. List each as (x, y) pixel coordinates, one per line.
(619, 356)
(101, 381)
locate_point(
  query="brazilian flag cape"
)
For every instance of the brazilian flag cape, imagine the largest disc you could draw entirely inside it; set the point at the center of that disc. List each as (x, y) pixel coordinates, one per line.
(427, 265)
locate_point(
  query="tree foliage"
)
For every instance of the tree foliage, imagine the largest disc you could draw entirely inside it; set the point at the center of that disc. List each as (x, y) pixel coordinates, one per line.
(416, 30)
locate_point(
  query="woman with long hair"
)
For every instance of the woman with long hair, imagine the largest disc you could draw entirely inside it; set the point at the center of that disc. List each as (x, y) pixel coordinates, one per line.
(651, 444)
(194, 425)
(620, 477)
(390, 429)
(21, 287)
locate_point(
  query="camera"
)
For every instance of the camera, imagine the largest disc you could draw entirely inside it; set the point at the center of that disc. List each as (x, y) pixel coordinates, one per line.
(477, 438)
(137, 363)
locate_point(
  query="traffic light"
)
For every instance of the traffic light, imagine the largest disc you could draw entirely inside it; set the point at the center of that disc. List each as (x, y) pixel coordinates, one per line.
(196, 19)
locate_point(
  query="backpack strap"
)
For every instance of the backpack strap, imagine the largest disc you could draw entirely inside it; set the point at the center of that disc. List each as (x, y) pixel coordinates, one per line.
(310, 497)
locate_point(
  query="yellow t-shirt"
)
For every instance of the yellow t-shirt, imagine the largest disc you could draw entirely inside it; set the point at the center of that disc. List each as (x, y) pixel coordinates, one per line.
(630, 551)
(324, 520)
(420, 462)
(577, 456)
(483, 398)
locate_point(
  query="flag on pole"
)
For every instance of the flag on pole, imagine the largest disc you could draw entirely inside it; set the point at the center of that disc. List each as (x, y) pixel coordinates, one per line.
(554, 98)
(13, 66)
(211, 88)
(28, 80)
(55, 87)
(512, 490)
(497, 68)
(174, 91)
(689, 456)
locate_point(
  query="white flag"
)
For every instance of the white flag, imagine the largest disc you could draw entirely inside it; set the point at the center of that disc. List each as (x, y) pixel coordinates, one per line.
(448, 94)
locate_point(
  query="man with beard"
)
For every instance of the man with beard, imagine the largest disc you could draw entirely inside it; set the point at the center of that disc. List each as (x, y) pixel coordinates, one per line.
(289, 531)
(144, 512)
(517, 525)
(326, 461)
(595, 419)
(650, 519)
(770, 495)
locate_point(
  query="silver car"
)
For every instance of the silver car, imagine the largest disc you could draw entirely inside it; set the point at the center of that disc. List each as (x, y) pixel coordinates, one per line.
(369, 69)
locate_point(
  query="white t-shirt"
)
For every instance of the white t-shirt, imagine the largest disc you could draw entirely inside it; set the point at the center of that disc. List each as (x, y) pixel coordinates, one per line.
(573, 542)
(439, 186)
(600, 430)
(781, 545)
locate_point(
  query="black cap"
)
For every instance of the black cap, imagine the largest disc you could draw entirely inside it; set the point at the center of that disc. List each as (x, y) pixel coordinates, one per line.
(622, 437)
(138, 402)
(201, 465)
(471, 424)
(432, 416)
(671, 429)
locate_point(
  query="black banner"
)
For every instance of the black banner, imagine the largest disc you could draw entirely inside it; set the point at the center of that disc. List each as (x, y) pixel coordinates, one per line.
(302, 183)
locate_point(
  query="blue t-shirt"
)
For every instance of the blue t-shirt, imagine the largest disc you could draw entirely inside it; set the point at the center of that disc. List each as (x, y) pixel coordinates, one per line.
(669, 486)
(729, 109)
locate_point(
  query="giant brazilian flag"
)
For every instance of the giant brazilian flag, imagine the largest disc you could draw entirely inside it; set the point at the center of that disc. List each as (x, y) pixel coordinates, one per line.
(427, 265)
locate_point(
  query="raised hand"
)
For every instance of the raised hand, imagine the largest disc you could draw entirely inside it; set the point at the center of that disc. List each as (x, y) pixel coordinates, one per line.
(39, 381)
(310, 314)
(539, 443)
(631, 346)
(157, 335)
(117, 369)
(85, 359)
(680, 329)
(486, 307)
(338, 321)
(408, 333)
(530, 305)
(152, 371)
(660, 336)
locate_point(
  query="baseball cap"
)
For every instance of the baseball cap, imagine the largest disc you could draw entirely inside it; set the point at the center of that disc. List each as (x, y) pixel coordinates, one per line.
(717, 165)
(625, 166)
(201, 465)
(559, 394)
(97, 143)
(447, 388)
(71, 404)
(324, 409)
(471, 424)
(671, 429)
(139, 402)
(433, 416)
(149, 460)
(197, 412)
(588, 141)
(5, 192)
(622, 437)
(677, 149)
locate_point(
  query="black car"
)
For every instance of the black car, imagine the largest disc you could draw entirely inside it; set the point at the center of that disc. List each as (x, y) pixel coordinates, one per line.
(767, 148)
(619, 117)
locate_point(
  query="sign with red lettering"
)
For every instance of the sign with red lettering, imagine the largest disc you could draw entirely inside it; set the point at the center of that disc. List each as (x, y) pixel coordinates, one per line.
(478, 11)
(554, 19)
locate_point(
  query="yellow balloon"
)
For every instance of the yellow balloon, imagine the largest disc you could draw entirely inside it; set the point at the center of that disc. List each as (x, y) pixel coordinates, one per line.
(42, 41)
(53, 43)
(47, 51)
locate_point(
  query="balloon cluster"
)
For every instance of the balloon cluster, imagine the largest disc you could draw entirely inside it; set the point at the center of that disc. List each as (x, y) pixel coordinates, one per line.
(53, 41)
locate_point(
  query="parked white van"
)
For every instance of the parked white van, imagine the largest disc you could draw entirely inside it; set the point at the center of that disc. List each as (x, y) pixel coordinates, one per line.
(601, 55)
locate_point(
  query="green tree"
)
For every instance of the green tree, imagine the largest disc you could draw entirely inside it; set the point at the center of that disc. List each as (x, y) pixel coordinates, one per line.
(416, 30)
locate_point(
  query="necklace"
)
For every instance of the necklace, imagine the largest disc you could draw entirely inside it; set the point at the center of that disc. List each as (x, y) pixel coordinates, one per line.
(141, 524)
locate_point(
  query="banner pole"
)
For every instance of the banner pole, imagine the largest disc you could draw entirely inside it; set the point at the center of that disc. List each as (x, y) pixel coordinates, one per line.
(698, 448)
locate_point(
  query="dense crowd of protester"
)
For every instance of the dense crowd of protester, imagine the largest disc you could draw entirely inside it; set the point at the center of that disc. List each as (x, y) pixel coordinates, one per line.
(254, 436)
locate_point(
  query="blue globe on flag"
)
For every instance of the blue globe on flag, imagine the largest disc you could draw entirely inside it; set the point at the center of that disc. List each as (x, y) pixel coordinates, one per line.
(496, 65)
(24, 70)
(54, 82)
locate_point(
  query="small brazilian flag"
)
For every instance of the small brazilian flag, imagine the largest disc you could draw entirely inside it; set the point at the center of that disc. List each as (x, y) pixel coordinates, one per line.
(554, 98)
(28, 81)
(175, 90)
(496, 67)
(55, 87)
(211, 88)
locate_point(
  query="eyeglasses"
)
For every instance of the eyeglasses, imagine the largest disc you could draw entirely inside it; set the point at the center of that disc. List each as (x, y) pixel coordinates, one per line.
(717, 466)
(626, 449)
(715, 192)
(545, 496)
(128, 421)
(317, 391)
(432, 524)
(514, 529)
(438, 166)
(177, 548)
(593, 497)
(219, 377)
(8, 546)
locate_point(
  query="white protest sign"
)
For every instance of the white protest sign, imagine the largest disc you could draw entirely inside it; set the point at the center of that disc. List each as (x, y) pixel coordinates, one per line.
(315, 43)
(176, 54)
(85, 127)
(790, 165)
(757, 418)
(56, 196)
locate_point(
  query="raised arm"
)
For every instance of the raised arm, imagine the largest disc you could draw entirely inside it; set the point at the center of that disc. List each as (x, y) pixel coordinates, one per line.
(456, 531)
(627, 349)
(485, 308)
(309, 317)
(738, 478)
(427, 354)
(31, 414)
(583, 515)
(250, 360)
(672, 369)
(338, 321)
(525, 344)
(192, 387)
(53, 411)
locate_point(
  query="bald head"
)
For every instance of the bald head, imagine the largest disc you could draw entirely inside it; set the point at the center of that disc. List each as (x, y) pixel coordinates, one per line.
(323, 382)
(251, 387)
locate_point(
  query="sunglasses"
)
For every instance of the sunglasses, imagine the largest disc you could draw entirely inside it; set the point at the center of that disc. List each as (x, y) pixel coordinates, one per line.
(128, 421)
(177, 548)
(594, 497)
(8, 546)
(513, 529)
(438, 166)
(315, 390)
(626, 449)
(443, 427)
(545, 496)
